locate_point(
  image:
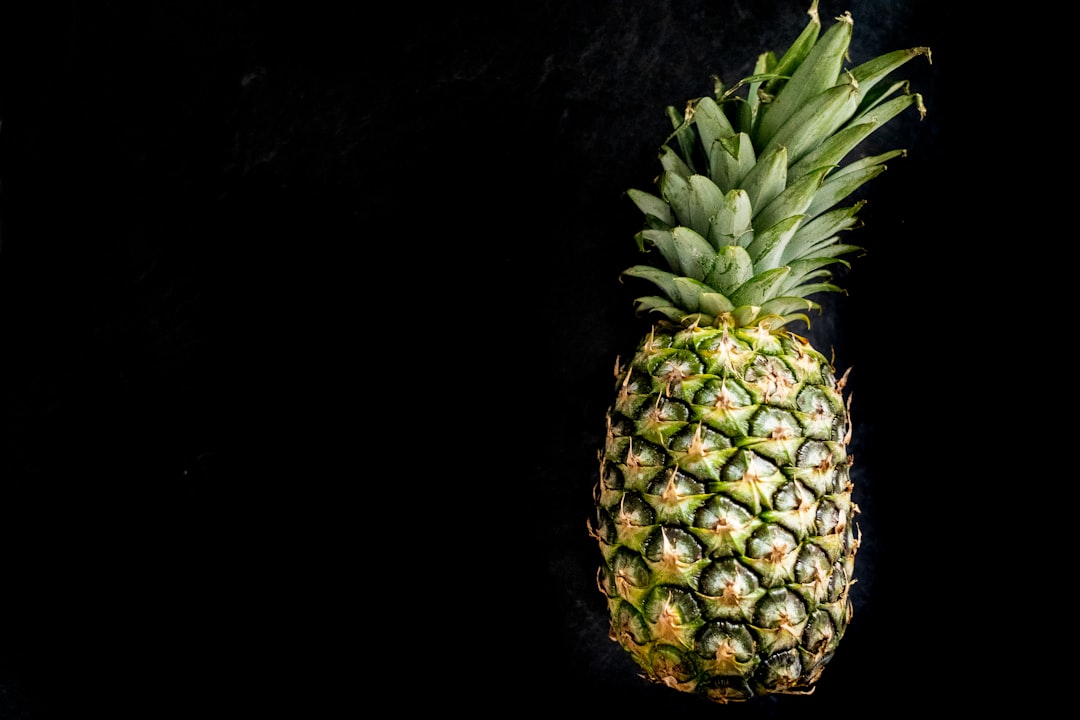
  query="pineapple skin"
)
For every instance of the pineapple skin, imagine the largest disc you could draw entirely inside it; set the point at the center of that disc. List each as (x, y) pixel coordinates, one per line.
(724, 511)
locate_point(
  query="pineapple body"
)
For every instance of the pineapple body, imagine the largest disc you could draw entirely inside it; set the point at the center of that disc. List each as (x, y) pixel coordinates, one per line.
(724, 512)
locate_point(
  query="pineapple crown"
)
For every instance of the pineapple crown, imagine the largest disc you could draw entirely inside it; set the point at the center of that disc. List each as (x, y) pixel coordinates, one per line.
(745, 219)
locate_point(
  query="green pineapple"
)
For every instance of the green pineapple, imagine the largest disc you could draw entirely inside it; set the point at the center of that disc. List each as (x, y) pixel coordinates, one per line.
(724, 510)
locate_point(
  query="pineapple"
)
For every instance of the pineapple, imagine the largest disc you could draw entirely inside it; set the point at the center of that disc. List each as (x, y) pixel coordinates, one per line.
(724, 509)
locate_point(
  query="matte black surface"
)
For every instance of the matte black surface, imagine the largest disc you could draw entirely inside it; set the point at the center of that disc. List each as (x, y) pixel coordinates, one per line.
(308, 324)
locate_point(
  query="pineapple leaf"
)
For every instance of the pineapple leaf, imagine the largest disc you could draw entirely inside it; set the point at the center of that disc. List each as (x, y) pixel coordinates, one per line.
(877, 95)
(815, 121)
(672, 163)
(833, 248)
(768, 245)
(714, 304)
(662, 279)
(684, 250)
(807, 269)
(818, 72)
(652, 206)
(814, 288)
(793, 317)
(768, 178)
(732, 268)
(683, 135)
(871, 72)
(760, 288)
(761, 74)
(783, 306)
(880, 112)
(797, 53)
(732, 220)
(665, 241)
(864, 163)
(822, 228)
(746, 315)
(748, 111)
(829, 153)
(675, 190)
(706, 200)
(656, 304)
(731, 159)
(794, 200)
(711, 123)
(690, 293)
(696, 256)
(839, 186)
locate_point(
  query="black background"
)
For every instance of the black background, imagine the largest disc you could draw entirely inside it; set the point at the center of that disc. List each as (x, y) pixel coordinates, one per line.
(308, 323)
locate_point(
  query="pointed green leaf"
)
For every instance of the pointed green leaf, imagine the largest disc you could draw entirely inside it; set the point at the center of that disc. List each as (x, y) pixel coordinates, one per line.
(675, 190)
(790, 285)
(748, 111)
(783, 306)
(818, 72)
(880, 97)
(706, 200)
(732, 220)
(871, 72)
(746, 315)
(823, 227)
(715, 304)
(813, 289)
(866, 162)
(659, 305)
(690, 293)
(652, 206)
(829, 153)
(731, 269)
(672, 163)
(768, 244)
(881, 111)
(711, 123)
(732, 158)
(807, 269)
(836, 188)
(662, 279)
(683, 135)
(814, 122)
(696, 256)
(768, 178)
(663, 241)
(792, 318)
(833, 248)
(792, 201)
(759, 288)
(797, 53)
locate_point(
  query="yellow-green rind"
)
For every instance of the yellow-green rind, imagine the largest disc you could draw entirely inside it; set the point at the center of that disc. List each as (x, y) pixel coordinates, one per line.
(724, 512)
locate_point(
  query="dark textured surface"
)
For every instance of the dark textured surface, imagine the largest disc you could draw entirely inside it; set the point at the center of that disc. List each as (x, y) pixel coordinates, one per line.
(308, 323)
